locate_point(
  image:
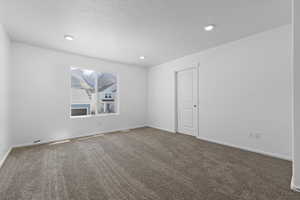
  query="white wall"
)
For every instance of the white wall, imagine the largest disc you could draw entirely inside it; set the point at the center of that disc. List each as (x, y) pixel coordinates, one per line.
(296, 168)
(244, 87)
(4, 92)
(41, 95)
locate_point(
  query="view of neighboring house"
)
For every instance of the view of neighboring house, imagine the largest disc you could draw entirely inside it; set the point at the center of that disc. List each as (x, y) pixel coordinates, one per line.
(85, 99)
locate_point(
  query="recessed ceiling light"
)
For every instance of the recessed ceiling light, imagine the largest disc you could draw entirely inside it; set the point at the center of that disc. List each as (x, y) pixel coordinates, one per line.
(209, 27)
(142, 57)
(69, 37)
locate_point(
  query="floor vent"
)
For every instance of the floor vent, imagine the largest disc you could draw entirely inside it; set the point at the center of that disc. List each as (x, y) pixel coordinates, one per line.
(126, 130)
(36, 141)
(60, 142)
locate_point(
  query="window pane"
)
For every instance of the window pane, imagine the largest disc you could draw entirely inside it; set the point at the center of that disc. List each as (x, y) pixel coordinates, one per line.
(107, 93)
(79, 111)
(83, 93)
(93, 92)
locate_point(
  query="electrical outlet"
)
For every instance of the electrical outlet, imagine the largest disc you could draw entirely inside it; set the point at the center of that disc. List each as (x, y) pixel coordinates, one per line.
(255, 135)
(258, 135)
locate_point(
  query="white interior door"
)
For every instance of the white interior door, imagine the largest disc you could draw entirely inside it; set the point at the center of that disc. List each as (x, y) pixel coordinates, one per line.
(187, 116)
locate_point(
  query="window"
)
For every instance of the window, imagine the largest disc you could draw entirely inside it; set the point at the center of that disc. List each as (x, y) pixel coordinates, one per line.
(93, 93)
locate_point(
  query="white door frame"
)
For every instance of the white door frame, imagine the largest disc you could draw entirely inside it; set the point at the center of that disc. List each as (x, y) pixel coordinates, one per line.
(197, 100)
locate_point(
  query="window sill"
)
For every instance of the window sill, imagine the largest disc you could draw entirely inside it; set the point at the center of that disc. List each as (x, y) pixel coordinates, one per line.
(92, 116)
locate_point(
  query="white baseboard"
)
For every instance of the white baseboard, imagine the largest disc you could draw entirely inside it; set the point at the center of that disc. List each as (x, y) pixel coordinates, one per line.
(248, 149)
(294, 187)
(160, 128)
(77, 136)
(5, 157)
(283, 157)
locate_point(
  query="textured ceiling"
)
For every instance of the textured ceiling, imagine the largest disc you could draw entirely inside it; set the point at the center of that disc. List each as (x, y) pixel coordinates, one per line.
(123, 30)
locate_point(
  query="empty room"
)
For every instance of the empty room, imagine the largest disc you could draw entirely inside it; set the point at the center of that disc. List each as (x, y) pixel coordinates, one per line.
(149, 100)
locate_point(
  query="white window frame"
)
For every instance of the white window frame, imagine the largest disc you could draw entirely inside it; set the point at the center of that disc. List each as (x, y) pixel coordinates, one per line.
(117, 103)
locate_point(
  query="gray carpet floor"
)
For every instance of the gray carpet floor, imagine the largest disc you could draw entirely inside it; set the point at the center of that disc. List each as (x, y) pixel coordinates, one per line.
(143, 164)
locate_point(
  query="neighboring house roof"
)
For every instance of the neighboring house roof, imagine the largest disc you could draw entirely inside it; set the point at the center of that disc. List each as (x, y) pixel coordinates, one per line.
(85, 79)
